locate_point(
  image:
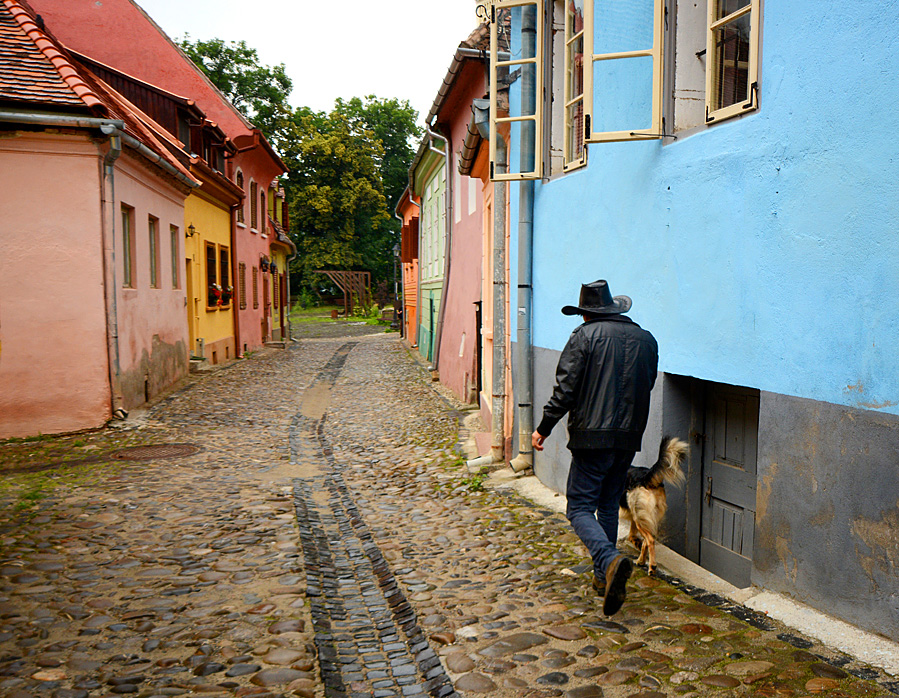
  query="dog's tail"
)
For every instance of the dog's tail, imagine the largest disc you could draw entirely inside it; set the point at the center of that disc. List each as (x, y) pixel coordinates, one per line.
(667, 468)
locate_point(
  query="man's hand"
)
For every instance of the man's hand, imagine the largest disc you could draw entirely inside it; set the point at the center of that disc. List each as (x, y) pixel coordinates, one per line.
(537, 440)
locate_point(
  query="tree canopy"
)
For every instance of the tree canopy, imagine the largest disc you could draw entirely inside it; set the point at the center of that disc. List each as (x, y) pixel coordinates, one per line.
(347, 168)
(259, 91)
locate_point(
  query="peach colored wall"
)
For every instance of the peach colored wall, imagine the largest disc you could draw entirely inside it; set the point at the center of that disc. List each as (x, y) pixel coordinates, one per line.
(152, 322)
(53, 361)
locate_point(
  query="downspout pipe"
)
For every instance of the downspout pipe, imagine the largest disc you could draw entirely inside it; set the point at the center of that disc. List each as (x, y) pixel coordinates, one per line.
(447, 246)
(524, 364)
(498, 421)
(111, 286)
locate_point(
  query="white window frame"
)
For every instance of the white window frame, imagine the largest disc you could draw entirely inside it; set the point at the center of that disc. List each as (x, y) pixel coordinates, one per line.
(568, 99)
(656, 52)
(753, 9)
(537, 117)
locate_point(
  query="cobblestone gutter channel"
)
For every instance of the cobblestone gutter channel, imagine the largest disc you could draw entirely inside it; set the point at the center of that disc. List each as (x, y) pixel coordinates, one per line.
(366, 633)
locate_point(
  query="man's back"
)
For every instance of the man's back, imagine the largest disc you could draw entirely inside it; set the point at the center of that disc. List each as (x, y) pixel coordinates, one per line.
(611, 364)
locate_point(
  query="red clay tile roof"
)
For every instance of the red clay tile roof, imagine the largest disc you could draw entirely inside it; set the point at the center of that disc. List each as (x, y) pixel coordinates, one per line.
(479, 38)
(32, 68)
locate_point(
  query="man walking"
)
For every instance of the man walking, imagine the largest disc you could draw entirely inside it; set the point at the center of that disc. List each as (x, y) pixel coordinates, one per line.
(603, 381)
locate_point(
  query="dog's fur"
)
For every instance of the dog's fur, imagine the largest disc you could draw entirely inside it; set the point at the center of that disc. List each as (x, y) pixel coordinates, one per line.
(644, 504)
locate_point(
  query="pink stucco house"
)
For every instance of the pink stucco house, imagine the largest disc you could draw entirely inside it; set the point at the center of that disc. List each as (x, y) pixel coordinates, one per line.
(91, 242)
(109, 32)
(459, 338)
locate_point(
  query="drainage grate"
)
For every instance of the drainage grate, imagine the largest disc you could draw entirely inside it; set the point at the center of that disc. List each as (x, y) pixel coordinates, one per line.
(155, 451)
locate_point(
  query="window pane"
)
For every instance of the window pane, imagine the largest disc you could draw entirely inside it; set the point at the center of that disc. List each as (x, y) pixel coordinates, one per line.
(574, 120)
(224, 276)
(213, 292)
(127, 279)
(176, 262)
(154, 246)
(574, 17)
(575, 64)
(522, 44)
(511, 100)
(623, 25)
(728, 7)
(615, 109)
(730, 81)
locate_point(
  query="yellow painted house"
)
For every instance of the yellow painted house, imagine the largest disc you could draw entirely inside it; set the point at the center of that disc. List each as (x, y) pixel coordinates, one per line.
(209, 264)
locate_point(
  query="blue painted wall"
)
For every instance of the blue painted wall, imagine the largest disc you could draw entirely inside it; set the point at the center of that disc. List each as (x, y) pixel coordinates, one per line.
(763, 251)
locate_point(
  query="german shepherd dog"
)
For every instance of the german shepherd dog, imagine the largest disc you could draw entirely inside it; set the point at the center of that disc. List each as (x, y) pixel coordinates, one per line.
(643, 503)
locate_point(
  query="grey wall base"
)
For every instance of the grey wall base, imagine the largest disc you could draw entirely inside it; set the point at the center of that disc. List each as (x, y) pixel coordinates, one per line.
(827, 528)
(827, 499)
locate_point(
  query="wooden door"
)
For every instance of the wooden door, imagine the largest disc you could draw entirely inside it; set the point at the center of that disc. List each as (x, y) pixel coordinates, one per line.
(729, 458)
(266, 307)
(191, 309)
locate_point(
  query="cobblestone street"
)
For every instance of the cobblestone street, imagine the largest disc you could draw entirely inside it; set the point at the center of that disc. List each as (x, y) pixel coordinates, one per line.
(324, 538)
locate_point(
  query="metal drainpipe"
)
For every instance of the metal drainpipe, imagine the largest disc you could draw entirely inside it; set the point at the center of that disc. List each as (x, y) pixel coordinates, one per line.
(111, 286)
(447, 246)
(498, 406)
(498, 446)
(525, 458)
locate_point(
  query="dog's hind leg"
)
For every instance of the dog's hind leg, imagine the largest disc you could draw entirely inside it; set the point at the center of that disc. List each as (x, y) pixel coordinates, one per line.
(647, 546)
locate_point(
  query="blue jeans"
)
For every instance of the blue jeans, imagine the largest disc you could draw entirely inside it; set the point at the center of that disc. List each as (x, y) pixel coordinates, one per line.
(596, 482)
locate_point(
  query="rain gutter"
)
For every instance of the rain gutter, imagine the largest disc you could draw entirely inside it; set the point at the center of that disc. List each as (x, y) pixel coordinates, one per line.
(524, 364)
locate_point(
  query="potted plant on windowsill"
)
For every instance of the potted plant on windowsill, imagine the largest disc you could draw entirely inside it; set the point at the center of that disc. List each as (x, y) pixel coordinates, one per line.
(227, 294)
(215, 293)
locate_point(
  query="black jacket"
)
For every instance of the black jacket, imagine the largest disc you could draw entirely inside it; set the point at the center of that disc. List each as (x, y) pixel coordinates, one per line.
(604, 377)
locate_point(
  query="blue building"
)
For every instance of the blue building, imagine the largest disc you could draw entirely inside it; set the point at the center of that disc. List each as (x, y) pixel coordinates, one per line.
(733, 166)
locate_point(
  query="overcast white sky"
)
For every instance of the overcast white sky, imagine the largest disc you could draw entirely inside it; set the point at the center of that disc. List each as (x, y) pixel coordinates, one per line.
(346, 48)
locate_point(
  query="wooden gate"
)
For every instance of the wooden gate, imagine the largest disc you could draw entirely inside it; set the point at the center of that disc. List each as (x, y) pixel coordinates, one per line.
(730, 453)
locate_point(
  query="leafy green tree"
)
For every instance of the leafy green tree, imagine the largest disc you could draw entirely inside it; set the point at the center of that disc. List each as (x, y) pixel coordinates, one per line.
(338, 162)
(260, 92)
(337, 202)
(348, 167)
(392, 122)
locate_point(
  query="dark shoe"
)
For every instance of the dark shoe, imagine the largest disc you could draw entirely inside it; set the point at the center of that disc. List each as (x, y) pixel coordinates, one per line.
(617, 574)
(598, 586)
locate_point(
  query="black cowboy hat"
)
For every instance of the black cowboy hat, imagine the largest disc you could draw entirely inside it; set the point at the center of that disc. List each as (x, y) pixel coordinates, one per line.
(596, 299)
